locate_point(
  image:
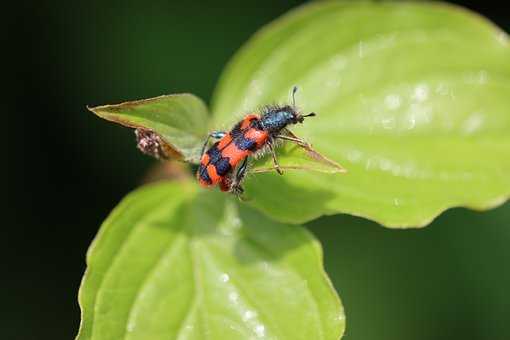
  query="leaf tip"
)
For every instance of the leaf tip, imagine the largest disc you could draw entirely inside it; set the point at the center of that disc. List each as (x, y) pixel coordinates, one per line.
(341, 170)
(91, 108)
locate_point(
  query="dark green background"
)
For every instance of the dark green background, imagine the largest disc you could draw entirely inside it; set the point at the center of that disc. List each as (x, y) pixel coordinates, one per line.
(67, 169)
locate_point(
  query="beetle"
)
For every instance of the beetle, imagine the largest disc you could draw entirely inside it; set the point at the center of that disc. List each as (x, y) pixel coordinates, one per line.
(252, 135)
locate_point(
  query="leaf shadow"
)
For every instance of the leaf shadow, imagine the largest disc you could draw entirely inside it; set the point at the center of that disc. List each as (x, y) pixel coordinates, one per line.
(263, 239)
(213, 216)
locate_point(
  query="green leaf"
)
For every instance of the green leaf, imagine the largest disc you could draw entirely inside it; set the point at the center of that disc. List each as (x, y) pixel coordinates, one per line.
(180, 120)
(412, 99)
(173, 262)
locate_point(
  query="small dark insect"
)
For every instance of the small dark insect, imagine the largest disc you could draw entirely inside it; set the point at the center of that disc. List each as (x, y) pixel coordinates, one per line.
(225, 162)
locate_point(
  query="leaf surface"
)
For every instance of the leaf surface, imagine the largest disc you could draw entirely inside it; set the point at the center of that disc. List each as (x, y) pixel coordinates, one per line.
(172, 262)
(412, 99)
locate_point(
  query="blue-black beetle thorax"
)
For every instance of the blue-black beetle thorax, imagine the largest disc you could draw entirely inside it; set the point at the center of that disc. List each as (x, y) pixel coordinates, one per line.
(276, 118)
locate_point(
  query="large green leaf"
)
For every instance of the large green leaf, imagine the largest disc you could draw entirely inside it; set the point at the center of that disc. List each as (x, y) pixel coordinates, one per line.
(180, 120)
(412, 99)
(173, 262)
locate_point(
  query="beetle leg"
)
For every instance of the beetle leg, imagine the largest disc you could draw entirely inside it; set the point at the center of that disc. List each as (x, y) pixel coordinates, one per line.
(275, 160)
(241, 172)
(214, 134)
(236, 187)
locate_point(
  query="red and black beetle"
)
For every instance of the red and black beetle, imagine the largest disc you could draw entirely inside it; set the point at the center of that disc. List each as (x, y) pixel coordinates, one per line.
(225, 162)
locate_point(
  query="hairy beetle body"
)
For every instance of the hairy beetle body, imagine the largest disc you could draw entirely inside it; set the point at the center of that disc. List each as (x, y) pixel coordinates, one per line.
(252, 134)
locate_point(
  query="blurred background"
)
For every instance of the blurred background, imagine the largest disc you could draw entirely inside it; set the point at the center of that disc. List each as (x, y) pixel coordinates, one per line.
(67, 169)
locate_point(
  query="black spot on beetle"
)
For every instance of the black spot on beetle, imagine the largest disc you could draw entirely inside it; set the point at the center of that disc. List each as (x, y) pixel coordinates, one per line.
(223, 166)
(204, 175)
(244, 143)
(214, 154)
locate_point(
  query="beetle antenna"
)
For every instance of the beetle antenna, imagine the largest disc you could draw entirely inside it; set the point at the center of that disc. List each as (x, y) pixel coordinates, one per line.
(294, 90)
(311, 114)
